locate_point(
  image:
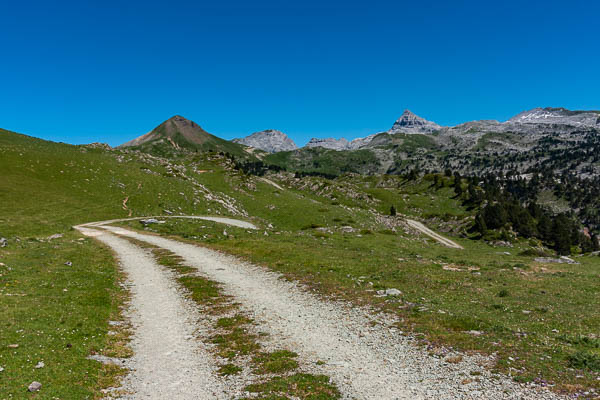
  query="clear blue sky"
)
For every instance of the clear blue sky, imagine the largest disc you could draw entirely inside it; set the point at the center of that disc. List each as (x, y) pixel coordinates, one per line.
(83, 71)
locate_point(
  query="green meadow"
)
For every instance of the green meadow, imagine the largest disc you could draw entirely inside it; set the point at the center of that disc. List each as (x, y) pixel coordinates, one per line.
(334, 236)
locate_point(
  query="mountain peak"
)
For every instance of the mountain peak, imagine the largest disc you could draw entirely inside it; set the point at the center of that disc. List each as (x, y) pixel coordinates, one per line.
(182, 121)
(557, 115)
(176, 127)
(270, 140)
(409, 122)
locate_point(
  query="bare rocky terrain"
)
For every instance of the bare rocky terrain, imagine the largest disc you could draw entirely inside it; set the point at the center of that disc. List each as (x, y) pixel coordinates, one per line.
(270, 140)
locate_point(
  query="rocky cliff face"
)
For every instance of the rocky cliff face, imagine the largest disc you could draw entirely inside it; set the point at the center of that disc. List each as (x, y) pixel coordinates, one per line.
(329, 143)
(411, 123)
(340, 144)
(270, 140)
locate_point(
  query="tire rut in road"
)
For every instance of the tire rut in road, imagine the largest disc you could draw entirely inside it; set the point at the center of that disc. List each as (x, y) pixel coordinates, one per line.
(168, 363)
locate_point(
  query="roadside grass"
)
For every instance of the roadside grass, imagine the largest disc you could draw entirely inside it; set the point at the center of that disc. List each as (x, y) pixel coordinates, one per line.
(58, 314)
(478, 299)
(235, 341)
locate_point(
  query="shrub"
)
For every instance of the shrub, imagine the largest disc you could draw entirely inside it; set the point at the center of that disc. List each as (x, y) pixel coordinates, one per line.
(585, 360)
(535, 253)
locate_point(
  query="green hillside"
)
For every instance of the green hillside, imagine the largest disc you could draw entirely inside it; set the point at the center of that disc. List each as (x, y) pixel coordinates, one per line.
(334, 235)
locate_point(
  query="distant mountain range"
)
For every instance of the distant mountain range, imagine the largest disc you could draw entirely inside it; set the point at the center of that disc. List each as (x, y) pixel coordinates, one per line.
(556, 139)
(535, 120)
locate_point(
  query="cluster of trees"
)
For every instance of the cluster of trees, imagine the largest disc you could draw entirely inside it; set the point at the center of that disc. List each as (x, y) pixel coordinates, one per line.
(302, 174)
(506, 203)
(257, 168)
(560, 232)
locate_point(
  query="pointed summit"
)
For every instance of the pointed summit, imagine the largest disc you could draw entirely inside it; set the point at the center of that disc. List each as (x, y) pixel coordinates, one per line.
(180, 134)
(412, 123)
(173, 129)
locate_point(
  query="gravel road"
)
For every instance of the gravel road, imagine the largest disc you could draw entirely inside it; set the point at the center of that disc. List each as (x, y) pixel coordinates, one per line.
(423, 229)
(221, 220)
(365, 360)
(168, 363)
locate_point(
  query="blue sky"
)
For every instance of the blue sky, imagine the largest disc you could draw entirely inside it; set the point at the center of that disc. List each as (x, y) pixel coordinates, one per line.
(109, 71)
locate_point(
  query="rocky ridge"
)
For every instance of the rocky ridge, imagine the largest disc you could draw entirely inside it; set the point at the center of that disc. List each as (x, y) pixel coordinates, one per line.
(270, 140)
(340, 144)
(538, 121)
(561, 116)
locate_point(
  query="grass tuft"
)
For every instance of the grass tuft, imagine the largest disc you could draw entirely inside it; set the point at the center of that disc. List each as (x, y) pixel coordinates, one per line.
(304, 386)
(276, 362)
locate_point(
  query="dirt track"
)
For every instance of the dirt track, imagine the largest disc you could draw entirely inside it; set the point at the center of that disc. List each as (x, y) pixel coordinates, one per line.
(366, 360)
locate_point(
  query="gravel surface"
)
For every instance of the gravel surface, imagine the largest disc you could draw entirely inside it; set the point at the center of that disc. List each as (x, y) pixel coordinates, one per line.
(168, 362)
(365, 360)
(221, 220)
(423, 229)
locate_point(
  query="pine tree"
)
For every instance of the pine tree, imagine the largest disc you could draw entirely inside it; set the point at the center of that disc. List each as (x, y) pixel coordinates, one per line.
(595, 243)
(458, 184)
(494, 216)
(561, 235)
(480, 224)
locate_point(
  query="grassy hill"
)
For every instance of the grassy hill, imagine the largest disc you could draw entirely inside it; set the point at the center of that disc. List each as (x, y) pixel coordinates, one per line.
(334, 235)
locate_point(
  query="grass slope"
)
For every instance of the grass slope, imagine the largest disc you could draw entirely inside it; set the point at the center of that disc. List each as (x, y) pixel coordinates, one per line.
(57, 314)
(332, 235)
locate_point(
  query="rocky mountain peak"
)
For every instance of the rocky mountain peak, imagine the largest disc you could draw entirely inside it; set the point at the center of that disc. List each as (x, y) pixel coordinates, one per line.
(412, 123)
(178, 119)
(270, 140)
(561, 116)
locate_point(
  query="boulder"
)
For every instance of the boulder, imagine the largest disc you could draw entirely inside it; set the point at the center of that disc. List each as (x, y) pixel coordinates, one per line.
(389, 292)
(560, 260)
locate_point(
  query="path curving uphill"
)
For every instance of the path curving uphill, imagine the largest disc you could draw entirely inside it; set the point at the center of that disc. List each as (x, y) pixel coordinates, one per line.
(436, 236)
(221, 220)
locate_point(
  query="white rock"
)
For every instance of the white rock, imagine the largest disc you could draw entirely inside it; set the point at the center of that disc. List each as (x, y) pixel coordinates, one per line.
(34, 386)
